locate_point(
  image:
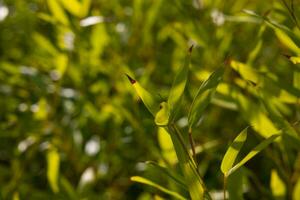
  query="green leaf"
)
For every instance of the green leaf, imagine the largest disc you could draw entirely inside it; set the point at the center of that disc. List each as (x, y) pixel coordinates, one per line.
(73, 6)
(253, 152)
(277, 185)
(77, 8)
(174, 176)
(53, 162)
(203, 96)
(147, 98)
(296, 192)
(287, 41)
(157, 186)
(162, 116)
(58, 12)
(178, 86)
(294, 59)
(188, 167)
(233, 151)
(235, 185)
(245, 71)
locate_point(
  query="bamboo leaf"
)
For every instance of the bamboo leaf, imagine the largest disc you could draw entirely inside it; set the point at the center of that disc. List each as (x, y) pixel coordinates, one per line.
(178, 86)
(203, 96)
(294, 59)
(245, 71)
(277, 185)
(157, 186)
(53, 162)
(58, 12)
(147, 98)
(188, 167)
(73, 6)
(162, 116)
(253, 152)
(233, 151)
(296, 192)
(174, 176)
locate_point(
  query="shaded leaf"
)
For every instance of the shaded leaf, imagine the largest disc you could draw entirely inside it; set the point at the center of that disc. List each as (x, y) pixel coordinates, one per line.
(174, 176)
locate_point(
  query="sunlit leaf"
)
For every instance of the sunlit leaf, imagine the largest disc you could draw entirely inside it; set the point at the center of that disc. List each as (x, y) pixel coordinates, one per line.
(287, 41)
(203, 96)
(58, 12)
(53, 162)
(157, 186)
(178, 86)
(232, 151)
(294, 59)
(296, 192)
(253, 152)
(277, 185)
(166, 145)
(245, 71)
(188, 167)
(147, 98)
(162, 116)
(73, 6)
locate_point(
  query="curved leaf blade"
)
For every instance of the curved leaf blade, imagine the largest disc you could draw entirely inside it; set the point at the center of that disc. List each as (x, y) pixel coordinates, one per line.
(179, 85)
(203, 96)
(253, 152)
(140, 179)
(162, 116)
(147, 98)
(53, 162)
(233, 151)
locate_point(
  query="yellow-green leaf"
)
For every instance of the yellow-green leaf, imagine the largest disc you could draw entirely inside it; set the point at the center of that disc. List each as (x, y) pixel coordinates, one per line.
(178, 86)
(58, 12)
(294, 59)
(203, 96)
(245, 71)
(162, 116)
(287, 41)
(157, 186)
(253, 152)
(296, 192)
(53, 162)
(73, 6)
(277, 185)
(188, 167)
(233, 151)
(147, 98)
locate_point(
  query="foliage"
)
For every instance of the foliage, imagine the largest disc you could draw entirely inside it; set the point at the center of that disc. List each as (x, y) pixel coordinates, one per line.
(73, 126)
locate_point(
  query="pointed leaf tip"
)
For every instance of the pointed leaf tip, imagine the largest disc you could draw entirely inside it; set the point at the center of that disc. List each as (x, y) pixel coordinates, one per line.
(191, 48)
(132, 81)
(287, 56)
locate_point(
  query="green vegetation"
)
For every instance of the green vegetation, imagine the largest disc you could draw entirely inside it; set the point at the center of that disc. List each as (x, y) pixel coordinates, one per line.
(149, 99)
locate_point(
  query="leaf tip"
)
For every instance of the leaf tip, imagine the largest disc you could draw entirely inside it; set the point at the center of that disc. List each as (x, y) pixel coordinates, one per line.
(191, 48)
(287, 56)
(132, 81)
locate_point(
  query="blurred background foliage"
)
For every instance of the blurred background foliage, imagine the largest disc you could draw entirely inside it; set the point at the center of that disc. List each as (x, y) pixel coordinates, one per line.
(73, 128)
